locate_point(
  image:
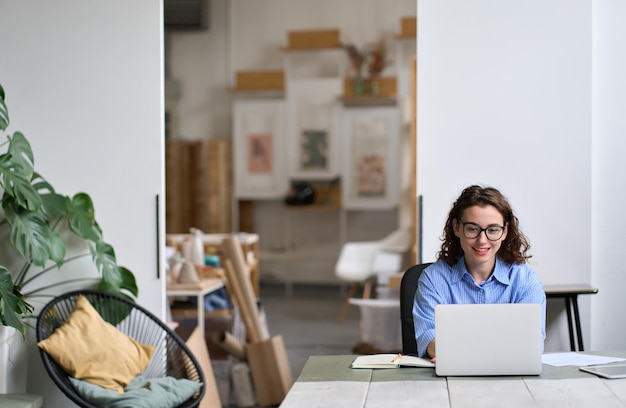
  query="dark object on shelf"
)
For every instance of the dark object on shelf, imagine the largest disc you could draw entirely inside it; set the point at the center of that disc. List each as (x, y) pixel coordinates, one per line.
(301, 193)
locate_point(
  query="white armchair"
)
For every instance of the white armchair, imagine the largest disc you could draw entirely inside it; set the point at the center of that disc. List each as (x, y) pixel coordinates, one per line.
(367, 262)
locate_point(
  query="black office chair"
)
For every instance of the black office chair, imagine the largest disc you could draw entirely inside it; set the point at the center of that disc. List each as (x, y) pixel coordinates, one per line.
(408, 287)
(132, 320)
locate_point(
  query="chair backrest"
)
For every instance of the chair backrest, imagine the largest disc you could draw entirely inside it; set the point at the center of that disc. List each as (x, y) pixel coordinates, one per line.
(408, 287)
(355, 260)
(132, 320)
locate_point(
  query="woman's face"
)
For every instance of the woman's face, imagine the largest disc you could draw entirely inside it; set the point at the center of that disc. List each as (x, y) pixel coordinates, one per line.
(480, 252)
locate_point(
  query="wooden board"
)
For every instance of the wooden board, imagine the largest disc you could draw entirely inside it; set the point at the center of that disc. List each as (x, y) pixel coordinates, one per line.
(197, 345)
(198, 191)
(313, 39)
(178, 181)
(259, 80)
(408, 27)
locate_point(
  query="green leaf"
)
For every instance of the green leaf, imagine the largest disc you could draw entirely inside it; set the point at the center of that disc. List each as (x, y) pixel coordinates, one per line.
(30, 233)
(12, 306)
(21, 153)
(15, 179)
(82, 219)
(104, 258)
(4, 112)
(56, 205)
(128, 281)
(56, 248)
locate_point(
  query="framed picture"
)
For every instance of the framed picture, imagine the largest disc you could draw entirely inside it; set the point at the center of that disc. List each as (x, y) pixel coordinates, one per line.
(313, 150)
(259, 149)
(371, 143)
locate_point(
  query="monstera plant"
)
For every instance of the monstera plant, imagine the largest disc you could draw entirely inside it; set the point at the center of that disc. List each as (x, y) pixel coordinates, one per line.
(33, 215)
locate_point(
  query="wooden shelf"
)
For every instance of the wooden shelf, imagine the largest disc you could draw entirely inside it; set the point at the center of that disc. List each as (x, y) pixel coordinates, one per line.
(408, 27)
(298, 255)
(259, 81)
(313, 39)
(258, 93)
(312, 207)
(387, 87)
(299, 49)
(365, 101)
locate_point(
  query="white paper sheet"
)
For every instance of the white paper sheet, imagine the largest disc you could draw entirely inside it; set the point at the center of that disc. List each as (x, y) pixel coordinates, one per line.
(576, 359)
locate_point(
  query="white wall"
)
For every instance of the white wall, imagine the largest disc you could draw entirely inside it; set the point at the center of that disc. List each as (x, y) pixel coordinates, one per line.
(248, 35)
(608, 233)
(541, 84)
(84, 84)
(504, 99)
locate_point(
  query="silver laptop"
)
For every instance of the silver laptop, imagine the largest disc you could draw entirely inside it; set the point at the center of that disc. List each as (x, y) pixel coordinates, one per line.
(488, 339)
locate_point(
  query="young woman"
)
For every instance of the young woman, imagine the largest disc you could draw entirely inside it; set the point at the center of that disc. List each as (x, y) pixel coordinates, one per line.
(482, 260)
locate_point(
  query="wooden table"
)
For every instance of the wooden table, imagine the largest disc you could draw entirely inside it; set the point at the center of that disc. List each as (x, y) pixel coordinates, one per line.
(328, 381)
(568, 292)
(199, 290)
(213, 245)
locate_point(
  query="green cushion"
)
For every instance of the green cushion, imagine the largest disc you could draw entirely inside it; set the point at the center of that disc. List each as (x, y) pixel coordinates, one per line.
(164, 392)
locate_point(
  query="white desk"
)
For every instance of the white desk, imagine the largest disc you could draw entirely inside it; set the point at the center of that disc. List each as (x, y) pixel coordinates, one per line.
(199, 290)
(213, 245)
(328, 381)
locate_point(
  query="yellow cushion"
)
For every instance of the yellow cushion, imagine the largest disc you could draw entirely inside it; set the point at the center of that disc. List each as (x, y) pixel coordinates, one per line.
(90, 349)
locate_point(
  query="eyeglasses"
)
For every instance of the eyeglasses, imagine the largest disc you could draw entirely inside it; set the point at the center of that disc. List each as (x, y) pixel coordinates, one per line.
(471, 230)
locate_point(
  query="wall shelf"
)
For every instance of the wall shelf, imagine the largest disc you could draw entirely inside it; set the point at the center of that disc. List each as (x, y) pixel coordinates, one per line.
(260, 93)
(365, 101)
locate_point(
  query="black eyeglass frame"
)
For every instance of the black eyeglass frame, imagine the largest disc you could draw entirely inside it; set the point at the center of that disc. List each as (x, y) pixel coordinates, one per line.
(463, 224)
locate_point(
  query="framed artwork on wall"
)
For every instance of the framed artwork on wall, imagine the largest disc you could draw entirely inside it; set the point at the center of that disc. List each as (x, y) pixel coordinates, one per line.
(370, 172)
(312, 128)
(259, 148)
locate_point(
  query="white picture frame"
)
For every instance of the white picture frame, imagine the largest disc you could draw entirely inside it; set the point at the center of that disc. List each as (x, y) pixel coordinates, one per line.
(312, 128)
(259, 149)
(370, 169)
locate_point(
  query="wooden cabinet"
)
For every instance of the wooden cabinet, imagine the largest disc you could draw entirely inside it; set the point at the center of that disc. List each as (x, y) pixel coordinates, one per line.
(198, 177)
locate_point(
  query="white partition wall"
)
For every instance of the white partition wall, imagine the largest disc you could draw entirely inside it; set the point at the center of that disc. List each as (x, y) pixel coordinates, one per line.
(608, 232)
(84, 84)
(504, 99)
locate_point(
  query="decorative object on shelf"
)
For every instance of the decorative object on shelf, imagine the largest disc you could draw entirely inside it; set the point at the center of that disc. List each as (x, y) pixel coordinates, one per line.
(356, 58)
(376, 62)
(372, 58)
(314, 149)
(312, 121)
(260, 153)
(259, 149)
(34, 212)
(371, 170)
(300, 193)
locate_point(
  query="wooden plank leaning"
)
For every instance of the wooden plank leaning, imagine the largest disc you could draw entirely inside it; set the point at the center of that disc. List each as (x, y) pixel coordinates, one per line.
(248, 312)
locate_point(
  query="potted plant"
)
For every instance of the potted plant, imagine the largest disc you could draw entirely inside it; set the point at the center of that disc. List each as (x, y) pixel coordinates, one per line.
(34, 213)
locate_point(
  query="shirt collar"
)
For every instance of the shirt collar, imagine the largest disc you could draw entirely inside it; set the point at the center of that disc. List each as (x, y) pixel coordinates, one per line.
(500, 273)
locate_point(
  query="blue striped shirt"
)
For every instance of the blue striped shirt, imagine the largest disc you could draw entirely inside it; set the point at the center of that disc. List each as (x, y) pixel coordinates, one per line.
(442, 283)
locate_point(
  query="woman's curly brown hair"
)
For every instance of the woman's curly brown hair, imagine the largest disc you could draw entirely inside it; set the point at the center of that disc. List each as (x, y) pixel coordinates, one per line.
(515, 246)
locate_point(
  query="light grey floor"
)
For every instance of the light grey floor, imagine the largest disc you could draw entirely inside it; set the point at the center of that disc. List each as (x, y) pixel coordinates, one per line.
(307, 320)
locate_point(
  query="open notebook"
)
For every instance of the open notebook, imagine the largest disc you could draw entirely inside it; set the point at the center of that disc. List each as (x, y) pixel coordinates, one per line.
(390, 361)
(488, 339)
